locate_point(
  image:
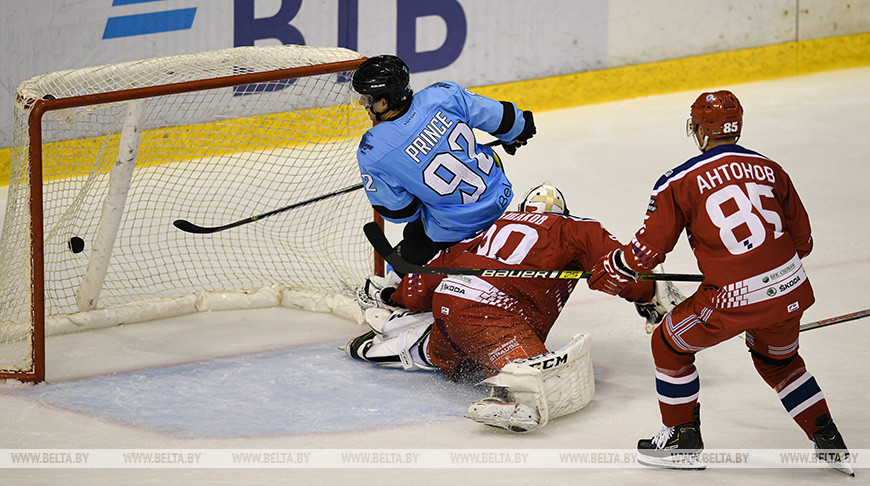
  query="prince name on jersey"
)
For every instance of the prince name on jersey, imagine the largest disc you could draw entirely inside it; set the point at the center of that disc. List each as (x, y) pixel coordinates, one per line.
(428, 163)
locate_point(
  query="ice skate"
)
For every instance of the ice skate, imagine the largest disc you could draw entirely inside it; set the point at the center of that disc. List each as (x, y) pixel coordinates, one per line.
(356, 347)
(676, 447)
(830, 446)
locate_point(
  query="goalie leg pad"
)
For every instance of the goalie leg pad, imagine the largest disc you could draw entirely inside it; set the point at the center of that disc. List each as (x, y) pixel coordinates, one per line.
(553, 384)
(403, 345)
(498, 412)
(392, 323)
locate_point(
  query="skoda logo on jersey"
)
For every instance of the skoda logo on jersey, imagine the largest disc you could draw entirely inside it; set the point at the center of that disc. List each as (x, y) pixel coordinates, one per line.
(771, 292)
(453, 289)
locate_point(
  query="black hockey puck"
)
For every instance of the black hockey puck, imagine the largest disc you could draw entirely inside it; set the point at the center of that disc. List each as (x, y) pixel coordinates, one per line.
(76, 244)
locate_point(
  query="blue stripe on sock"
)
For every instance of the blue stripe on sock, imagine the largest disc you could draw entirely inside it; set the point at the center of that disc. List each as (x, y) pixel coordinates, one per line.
(671, 390)
(800, 394)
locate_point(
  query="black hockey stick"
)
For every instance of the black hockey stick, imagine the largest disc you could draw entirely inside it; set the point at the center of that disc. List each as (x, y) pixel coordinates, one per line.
(189, 227)
(835, 320)
(379, 241)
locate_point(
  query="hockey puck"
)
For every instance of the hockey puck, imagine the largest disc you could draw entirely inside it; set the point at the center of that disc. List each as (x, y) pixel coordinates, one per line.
(76, 244)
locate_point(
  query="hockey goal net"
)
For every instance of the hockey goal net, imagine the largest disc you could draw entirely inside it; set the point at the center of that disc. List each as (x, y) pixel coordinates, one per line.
(106, 158)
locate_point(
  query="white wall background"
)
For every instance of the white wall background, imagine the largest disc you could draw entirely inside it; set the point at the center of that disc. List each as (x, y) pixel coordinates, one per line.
(474, 42)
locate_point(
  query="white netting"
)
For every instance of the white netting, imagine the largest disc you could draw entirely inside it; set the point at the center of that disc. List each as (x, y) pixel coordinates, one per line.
(211, 157)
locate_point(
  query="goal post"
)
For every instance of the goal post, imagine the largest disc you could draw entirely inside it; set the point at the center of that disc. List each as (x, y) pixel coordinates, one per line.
(106, 158)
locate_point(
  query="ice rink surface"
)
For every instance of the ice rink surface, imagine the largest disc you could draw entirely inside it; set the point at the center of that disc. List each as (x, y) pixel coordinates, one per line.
(274, 378)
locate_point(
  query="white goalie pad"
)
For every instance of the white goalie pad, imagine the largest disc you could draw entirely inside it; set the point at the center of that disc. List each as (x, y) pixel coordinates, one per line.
(400, 339)
(376, 316)
(554, 384)
(392, 322)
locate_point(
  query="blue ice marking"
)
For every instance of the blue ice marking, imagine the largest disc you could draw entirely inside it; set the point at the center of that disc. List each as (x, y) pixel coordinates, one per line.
(305, 390)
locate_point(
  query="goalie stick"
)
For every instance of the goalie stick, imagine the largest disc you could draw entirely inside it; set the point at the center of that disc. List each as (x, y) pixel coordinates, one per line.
(189, 227)
(379, 241)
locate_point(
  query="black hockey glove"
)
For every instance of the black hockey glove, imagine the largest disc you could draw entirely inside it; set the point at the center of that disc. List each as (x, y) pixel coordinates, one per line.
(524, 136)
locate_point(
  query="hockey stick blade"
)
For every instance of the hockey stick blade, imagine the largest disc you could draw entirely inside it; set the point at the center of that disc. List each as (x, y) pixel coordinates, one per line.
(189, 227)
(835, 320)
(379, 241)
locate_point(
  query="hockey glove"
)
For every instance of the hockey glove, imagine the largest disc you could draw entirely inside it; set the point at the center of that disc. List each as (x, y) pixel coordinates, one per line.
(667, 297)
(376, 291)
(524, 136)
(611, 274)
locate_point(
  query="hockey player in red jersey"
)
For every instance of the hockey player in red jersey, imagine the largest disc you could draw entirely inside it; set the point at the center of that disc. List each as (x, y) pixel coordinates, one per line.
(479, 315)
(749, 231)
(486, 323)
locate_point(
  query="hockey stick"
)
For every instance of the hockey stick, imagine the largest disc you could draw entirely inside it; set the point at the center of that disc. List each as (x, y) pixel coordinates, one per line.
(835, 320)
(189, 227)
(379, 241)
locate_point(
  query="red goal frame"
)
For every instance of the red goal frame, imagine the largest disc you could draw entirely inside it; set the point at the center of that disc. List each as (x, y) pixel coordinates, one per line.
(41, 106)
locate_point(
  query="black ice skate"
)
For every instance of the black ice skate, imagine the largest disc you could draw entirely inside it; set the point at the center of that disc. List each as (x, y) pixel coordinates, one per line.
(674, 447)
(356, 347)
(830, 446)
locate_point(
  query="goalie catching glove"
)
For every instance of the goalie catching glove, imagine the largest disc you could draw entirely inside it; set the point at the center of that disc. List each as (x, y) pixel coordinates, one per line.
(667, 297)
(376, 291)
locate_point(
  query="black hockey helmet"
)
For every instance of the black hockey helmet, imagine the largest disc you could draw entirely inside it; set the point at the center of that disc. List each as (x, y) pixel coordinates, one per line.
(384, 77)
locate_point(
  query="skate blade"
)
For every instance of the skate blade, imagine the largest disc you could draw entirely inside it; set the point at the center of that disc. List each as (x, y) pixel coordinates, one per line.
(843, 467)
(676, 460)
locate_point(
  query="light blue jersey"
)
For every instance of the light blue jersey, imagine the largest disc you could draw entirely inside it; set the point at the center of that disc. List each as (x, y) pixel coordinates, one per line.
(427, 162)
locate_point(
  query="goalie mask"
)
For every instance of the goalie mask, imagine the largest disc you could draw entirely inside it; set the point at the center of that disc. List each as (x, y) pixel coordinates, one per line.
(715, 115)
(383, 77)
(544, 199)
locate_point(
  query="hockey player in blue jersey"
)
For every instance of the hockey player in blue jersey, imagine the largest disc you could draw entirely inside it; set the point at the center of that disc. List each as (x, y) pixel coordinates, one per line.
(421, 163)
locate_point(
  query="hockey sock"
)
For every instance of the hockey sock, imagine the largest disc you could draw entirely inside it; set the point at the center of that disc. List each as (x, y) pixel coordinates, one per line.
(677, 382)
(796, 387)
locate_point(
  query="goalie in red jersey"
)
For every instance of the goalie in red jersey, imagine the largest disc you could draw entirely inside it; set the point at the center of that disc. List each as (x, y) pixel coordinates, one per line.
(749, 231)
(499, 325)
